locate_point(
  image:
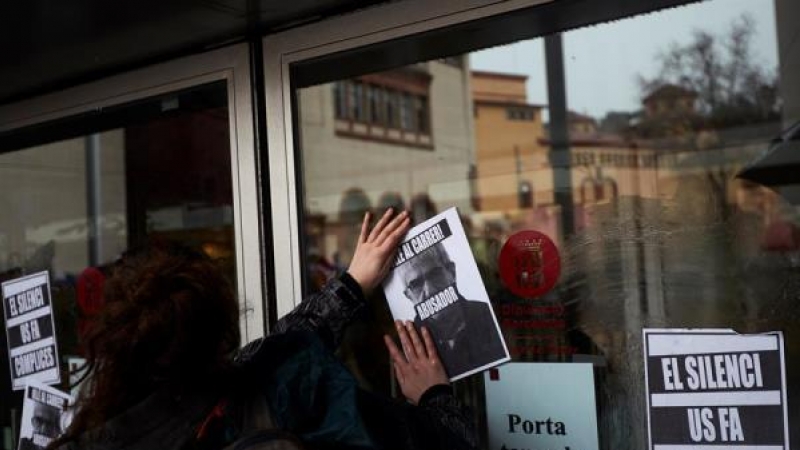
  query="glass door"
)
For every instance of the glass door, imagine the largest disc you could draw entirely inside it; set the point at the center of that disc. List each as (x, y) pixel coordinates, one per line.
(80, 190)
(623, 141)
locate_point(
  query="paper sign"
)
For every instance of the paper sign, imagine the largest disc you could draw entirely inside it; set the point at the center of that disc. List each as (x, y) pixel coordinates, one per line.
(44, 416)
(435, 283)
(30, 331)
(715, 389)
(541, 406)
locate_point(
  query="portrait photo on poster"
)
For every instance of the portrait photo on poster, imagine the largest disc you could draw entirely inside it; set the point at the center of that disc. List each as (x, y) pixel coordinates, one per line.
(45, 415)
(435, 283)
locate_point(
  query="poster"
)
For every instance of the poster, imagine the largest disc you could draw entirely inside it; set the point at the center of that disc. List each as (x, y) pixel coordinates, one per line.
(435, 282)
(715, 389)
(541, 406)
(30, 330)
(45, 415)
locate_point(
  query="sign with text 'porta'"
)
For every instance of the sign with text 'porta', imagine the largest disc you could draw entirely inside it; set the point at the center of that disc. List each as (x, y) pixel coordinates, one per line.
(30, 331)
(715, 389)
(541, 406)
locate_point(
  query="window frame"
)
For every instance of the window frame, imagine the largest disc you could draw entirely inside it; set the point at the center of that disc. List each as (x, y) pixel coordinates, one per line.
(229, 64)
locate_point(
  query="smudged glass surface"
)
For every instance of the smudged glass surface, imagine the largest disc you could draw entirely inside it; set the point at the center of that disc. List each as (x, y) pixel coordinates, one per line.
(654, 227)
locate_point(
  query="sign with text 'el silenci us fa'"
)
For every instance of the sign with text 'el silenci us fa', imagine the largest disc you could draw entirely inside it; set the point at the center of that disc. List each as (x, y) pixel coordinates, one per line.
(30, 331)
(715, 389)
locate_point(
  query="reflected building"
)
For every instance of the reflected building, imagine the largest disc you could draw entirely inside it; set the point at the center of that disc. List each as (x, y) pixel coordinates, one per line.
(400, 137)
(46, 188)
(650, 246)
(515, 181)
(513, 178)
(510, 156)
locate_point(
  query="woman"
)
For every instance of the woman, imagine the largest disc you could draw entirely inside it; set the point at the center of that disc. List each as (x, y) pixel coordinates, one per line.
(163, 374)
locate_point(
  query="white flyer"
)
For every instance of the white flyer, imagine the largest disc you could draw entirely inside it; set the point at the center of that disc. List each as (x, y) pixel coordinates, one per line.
(435, 283)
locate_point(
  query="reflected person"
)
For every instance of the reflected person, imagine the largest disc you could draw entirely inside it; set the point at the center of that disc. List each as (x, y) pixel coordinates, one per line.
(464, 331)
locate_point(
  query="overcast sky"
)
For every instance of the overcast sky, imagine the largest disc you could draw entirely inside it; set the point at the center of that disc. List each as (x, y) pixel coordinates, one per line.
(602, 62)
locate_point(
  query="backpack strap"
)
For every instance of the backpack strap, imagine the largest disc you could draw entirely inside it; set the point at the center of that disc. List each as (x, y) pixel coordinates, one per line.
(255, 415)
(266, 440)
(258, 430)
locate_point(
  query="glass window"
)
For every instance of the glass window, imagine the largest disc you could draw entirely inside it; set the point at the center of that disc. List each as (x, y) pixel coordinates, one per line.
(421, 108)
(158, 168)
(406, 113)
(635, 173)
(354, 102)
(374, 97)
(525, 195)
(340, 99)
(392, 108)
(516, 113)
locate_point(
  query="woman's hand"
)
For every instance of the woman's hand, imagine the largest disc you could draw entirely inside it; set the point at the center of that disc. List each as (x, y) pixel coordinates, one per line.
(376, 248)
(420, 369)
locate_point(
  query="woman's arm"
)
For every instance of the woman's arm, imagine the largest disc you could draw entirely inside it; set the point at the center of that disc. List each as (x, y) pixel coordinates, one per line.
(456, 428)
(443, 420)
(328, 312)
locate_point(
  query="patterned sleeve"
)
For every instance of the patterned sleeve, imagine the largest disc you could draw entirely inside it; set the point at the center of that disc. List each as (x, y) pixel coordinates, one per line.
(328, 312)
(457, 428)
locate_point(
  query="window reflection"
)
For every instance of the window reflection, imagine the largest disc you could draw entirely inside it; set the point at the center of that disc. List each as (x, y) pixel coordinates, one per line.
(659, 231)
(387, 107)
(73, 206)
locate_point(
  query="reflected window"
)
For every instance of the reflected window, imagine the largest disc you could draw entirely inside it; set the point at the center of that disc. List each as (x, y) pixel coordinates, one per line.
(525, 195)
(388, 107)
(340, 99)
(519, 113)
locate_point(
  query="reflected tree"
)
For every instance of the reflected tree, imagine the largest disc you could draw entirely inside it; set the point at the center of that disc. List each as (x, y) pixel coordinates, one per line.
(731, 85)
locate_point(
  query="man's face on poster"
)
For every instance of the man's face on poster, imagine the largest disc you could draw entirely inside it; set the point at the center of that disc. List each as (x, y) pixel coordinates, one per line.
(45, 420)
(426, 274)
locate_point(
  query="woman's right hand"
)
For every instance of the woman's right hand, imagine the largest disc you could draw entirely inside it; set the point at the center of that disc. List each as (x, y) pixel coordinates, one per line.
(418, 368)
(376, 248)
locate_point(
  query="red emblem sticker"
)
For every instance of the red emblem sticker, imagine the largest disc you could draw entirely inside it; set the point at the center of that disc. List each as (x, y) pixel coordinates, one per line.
(90, 291)
(529, 264)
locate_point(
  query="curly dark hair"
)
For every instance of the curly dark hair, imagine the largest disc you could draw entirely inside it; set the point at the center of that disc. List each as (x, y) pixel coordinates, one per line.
(171, 321)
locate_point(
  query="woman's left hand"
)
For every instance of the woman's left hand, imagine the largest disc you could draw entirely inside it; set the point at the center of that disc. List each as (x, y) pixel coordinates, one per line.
(374, 253)
(418, 368)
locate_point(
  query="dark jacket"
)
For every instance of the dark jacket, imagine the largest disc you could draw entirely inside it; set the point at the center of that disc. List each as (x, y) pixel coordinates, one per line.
(308, 391)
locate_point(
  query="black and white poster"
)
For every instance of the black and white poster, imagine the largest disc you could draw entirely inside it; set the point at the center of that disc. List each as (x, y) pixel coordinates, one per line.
(715, 389)
(45, 415)
(435, 282)
(30, 331)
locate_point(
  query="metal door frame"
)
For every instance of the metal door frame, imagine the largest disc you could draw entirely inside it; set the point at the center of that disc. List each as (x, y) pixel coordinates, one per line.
(229, 64)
